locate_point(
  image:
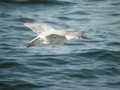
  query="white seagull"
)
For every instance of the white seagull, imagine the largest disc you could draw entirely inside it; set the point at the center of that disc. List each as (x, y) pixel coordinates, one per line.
(49, 36)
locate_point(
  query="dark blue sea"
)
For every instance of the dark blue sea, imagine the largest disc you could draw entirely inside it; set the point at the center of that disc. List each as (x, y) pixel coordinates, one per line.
(83, 64)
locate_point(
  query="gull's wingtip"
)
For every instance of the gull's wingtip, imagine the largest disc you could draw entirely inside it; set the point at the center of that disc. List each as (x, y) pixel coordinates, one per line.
(25, 46)
(84, 36)
(26, 20)
(27, 24)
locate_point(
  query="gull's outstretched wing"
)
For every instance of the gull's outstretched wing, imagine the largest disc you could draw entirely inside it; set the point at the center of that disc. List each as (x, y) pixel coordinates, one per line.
(39, 28)
(35, 41)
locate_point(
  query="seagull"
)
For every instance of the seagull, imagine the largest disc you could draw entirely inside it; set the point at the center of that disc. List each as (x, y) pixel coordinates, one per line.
(48, 35)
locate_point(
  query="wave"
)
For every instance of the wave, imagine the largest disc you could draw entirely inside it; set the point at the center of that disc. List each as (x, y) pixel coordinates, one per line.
(36, 1)
(101, 54)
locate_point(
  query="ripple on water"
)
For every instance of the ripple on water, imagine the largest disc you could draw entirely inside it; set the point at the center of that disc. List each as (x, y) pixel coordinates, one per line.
(115, 3)
(9, 64)
(22, 84)
(82, 74)
(113, 43)
(79, 12)
(92, 64)
(102, 54)
(4, 15)
(53, 2)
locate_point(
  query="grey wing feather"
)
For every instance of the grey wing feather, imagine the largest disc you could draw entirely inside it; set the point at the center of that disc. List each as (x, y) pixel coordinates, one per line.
(56, 39)
(38, 28)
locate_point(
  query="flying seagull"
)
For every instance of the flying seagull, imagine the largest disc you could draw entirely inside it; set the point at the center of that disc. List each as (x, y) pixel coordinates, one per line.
(50, 36)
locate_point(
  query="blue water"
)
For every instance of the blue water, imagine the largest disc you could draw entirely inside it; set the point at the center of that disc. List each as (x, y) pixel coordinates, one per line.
(85, 64)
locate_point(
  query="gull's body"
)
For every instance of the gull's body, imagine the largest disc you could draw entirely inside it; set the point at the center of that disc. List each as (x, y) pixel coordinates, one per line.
(48, 35)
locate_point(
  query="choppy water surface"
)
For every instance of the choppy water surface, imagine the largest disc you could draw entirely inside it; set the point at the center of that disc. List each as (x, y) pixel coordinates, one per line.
(91, 64)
